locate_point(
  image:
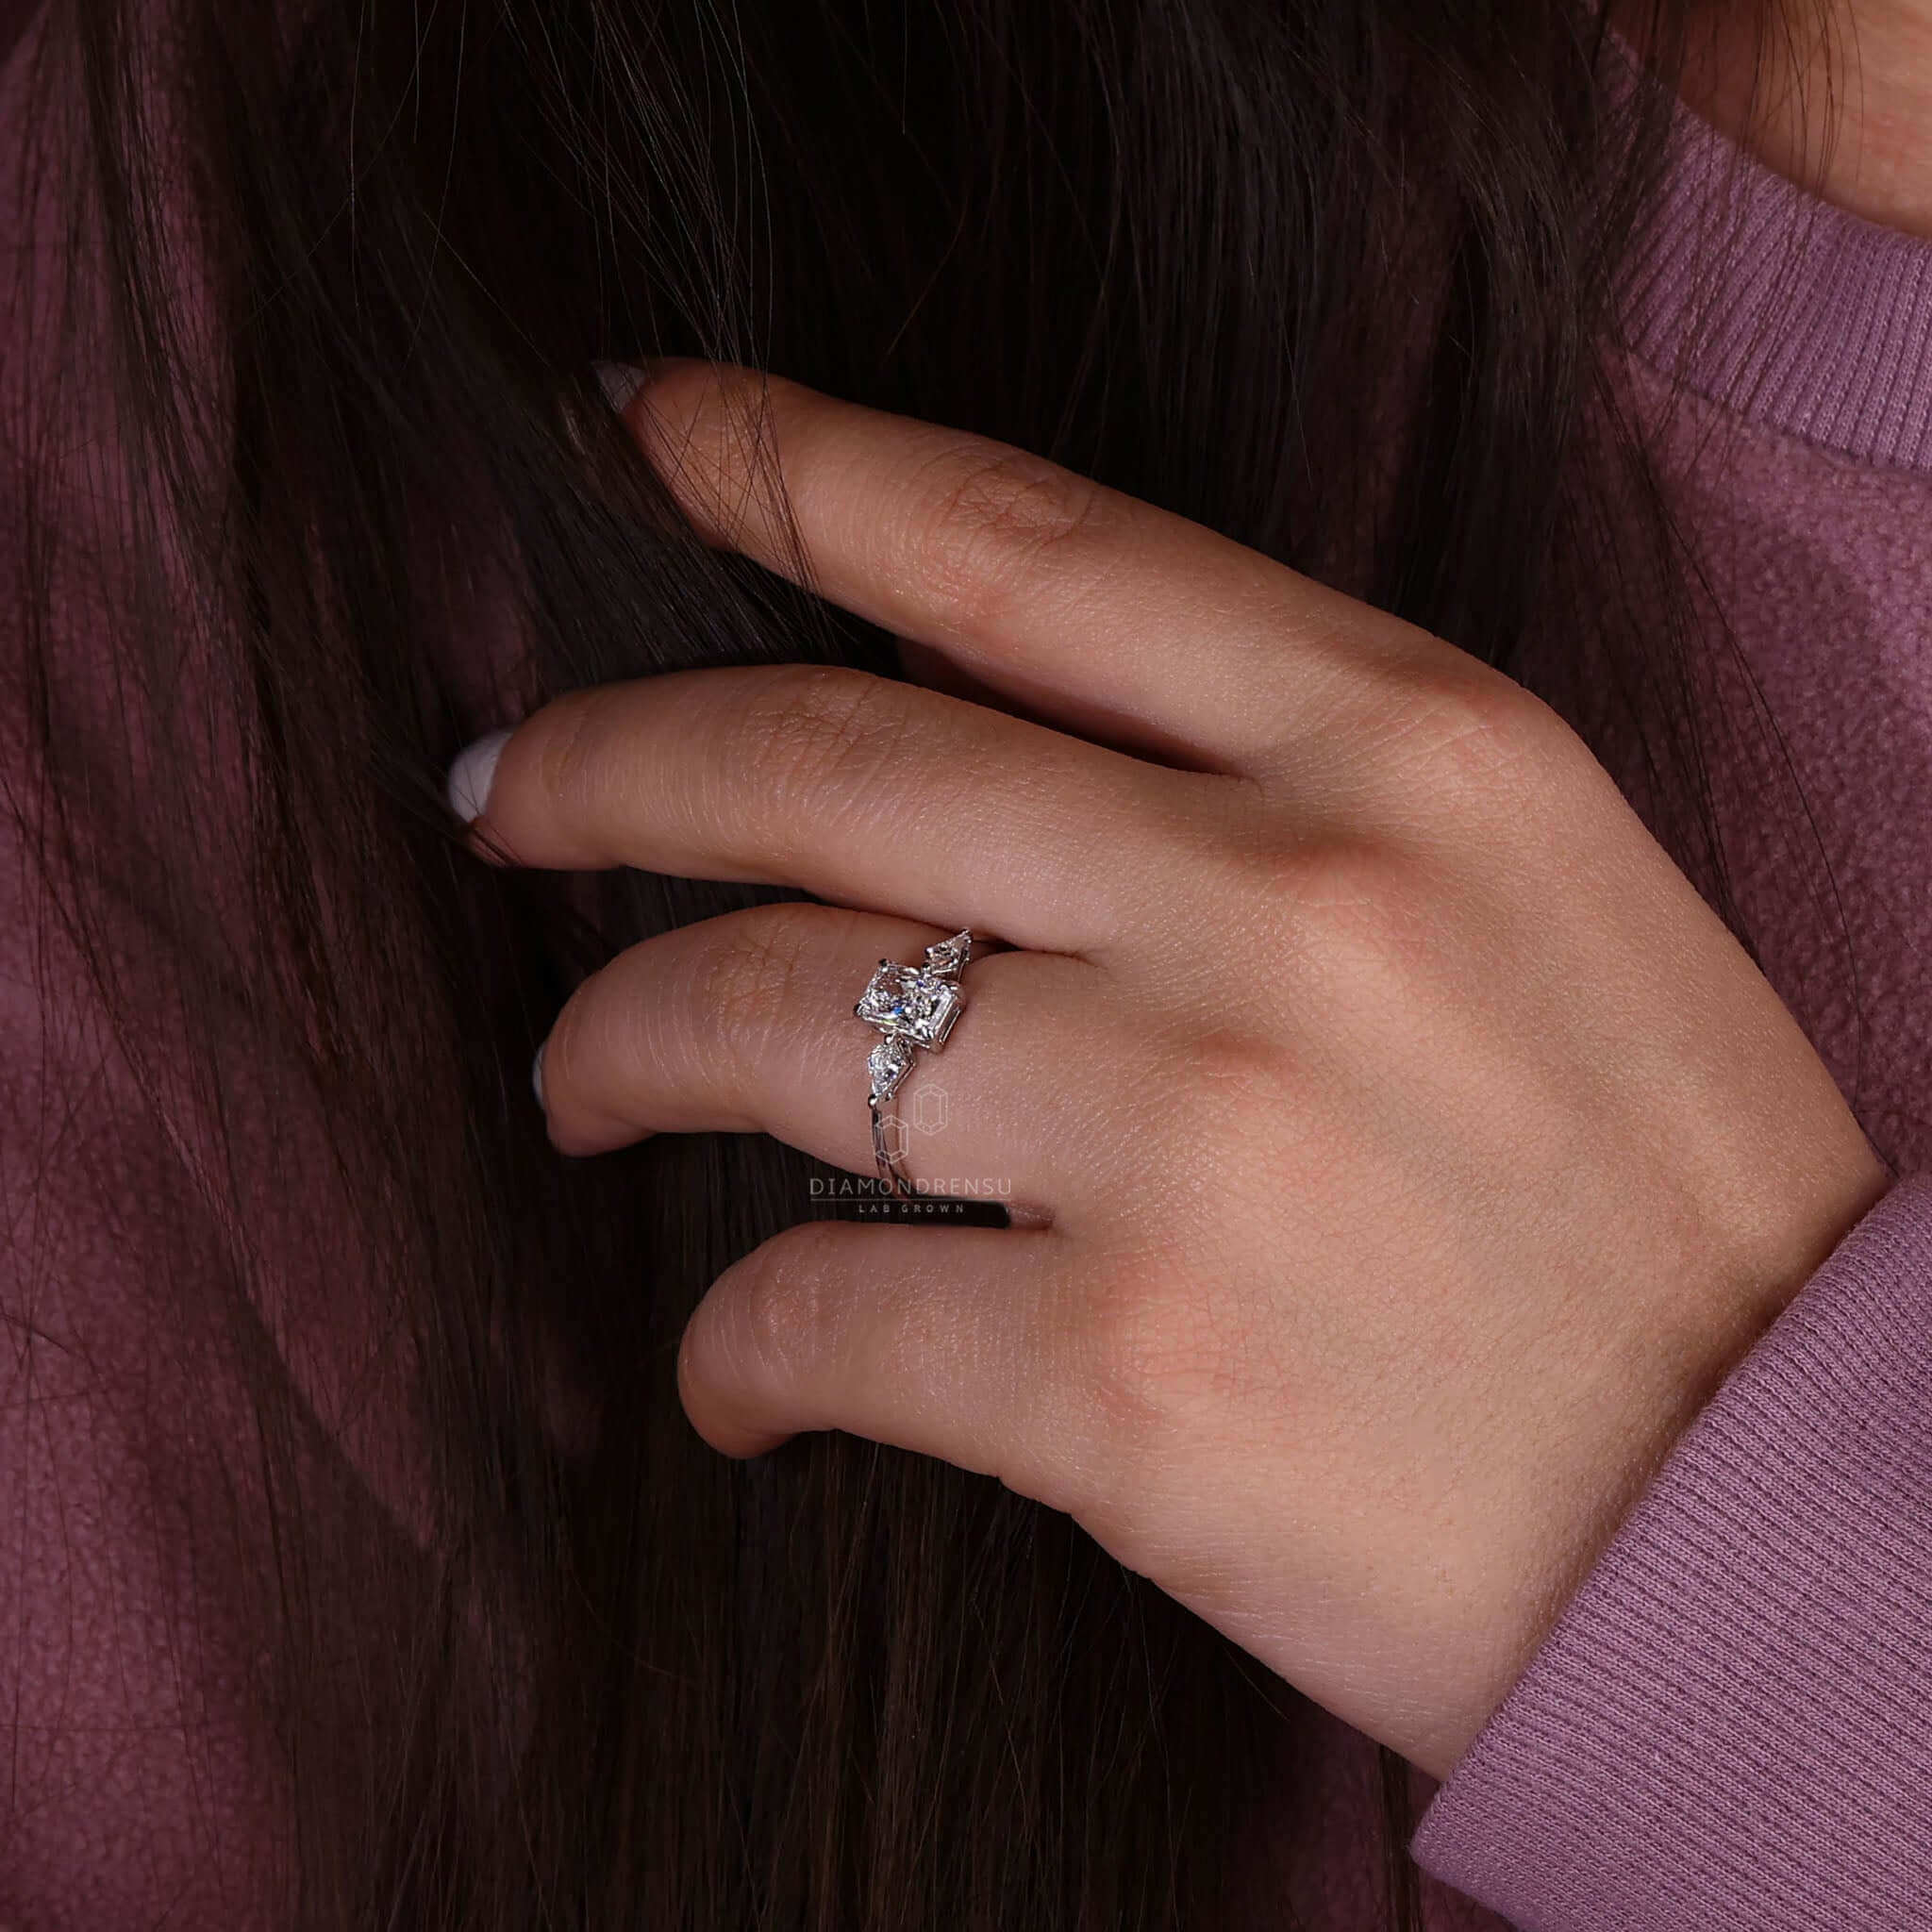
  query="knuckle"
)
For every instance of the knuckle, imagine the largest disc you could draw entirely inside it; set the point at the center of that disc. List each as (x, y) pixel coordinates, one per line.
(603, 1050)
(744, 986)
(599, 1054)
(778, 1309)
(1226, 1082)
(1468, 732)
(1368, 925)
(809, 736)
(1328, 913)
(1322, 887)
(1360, 895)
(988, 521)
(1237, 1074)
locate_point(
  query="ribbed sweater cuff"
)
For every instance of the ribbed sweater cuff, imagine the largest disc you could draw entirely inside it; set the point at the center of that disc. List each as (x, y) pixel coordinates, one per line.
(1730, 1724)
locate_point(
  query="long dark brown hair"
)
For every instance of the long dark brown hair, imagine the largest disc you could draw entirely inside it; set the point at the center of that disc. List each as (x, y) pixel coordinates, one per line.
(310, 440)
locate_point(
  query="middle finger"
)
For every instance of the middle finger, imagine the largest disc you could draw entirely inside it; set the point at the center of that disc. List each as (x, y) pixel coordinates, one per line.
(859, 790)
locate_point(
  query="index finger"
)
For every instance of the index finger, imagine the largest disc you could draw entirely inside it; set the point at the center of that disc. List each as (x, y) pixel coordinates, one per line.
(1093, 609)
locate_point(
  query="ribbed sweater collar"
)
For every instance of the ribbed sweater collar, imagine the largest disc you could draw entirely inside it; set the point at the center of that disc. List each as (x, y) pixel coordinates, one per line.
(1778, 306)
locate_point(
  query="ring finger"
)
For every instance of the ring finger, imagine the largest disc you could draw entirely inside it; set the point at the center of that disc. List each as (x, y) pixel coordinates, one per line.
(745, 1023)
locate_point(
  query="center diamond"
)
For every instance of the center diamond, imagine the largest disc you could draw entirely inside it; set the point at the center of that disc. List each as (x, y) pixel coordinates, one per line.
(910, 1001)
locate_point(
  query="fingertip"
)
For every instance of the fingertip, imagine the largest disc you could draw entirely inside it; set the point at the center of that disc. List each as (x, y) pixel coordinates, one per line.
(471, 774)
(620, 381)
(728, 1438)
(623, 382)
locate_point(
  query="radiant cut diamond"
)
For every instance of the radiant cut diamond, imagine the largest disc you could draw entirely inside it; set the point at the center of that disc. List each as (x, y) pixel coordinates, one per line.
(914, 1002)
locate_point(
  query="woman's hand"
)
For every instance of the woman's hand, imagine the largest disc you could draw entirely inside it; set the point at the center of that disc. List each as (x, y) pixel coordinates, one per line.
(1409, 1150)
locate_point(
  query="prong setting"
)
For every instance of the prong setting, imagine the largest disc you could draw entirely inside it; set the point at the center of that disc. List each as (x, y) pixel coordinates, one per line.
(912, 1007)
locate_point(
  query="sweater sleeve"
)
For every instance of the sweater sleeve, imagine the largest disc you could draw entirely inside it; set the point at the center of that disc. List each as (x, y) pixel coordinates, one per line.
(1731, 1722)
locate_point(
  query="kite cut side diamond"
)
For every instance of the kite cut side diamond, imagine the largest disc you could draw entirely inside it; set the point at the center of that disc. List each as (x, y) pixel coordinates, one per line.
(910, 1001)
(949, 955)
(887, 1064)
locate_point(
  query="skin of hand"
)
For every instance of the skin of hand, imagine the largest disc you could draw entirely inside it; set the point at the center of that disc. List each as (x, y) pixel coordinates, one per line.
(1406, 1150)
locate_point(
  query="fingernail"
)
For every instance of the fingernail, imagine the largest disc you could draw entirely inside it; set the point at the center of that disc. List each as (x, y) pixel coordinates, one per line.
(537, 1072)
(468, 784)
(620, 380)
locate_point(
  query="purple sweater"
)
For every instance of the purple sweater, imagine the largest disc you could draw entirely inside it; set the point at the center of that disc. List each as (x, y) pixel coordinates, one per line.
(1731, 1724)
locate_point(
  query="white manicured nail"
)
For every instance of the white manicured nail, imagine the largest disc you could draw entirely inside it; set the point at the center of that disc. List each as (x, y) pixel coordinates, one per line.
(537, 1072)
(621, 381)
(468, 785)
